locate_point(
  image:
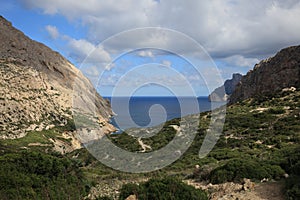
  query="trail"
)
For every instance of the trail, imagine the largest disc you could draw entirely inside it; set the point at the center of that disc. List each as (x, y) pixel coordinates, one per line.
(144, 146)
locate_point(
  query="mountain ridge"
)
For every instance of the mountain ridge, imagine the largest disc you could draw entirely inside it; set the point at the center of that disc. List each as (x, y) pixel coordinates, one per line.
(40, 88)
(223, 92)
(270, 76)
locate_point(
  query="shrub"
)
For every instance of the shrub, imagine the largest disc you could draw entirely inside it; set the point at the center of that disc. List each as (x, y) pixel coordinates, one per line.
(130, 189)
(293, 188)
(104, 198)
(33, 175)
(274, 171)
(278, 110)
(237, 169)
(168, 188)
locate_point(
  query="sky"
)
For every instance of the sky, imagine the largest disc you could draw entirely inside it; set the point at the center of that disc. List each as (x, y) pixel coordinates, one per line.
(159, 47)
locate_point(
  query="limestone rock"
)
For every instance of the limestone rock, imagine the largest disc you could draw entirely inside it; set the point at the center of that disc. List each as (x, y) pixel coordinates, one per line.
(131, 197)
(270, 76)
(223, 92)
(36, 87)
(248, 185)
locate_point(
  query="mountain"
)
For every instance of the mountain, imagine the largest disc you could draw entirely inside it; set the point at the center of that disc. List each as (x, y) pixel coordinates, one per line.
(270, 76)
(223, 92)
(37, 84)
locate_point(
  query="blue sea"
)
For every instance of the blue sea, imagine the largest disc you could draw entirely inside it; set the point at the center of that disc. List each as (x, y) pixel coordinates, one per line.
(150, 111)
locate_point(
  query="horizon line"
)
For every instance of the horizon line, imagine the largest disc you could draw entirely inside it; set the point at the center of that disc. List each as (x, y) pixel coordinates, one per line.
(154, 96)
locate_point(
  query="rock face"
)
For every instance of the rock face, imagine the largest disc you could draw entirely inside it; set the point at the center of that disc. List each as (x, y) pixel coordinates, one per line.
(223, 92)
(36, 87)
(270, 76)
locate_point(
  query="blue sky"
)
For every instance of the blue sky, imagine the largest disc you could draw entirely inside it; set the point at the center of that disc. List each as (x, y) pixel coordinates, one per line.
(101, 38)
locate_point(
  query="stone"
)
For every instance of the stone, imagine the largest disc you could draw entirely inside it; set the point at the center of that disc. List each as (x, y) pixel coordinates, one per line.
(37, 86)
(270, 76)
(248, 185)
(223, 92)
(131, 197)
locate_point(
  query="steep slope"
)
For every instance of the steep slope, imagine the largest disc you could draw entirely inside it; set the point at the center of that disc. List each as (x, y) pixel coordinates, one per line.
(223, 92)
(270, 75)
(37, 83)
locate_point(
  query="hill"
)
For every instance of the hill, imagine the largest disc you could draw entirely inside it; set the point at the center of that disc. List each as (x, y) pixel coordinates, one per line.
(223, 92)
(37, 87)
(38, 159)
(270, 76)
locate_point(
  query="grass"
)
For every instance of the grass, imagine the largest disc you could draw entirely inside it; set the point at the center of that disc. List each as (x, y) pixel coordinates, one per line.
(32, 137)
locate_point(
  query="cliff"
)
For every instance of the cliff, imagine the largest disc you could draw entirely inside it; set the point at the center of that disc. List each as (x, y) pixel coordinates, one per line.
(223, 92)
(270, 76)
(36, 87)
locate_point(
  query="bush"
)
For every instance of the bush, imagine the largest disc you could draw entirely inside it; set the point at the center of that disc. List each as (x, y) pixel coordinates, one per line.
(157, 189)
(104, 198)
(130, 189)
(293, 188)
(237, 169)
(274, 171)
(276, 111)
(33, 175)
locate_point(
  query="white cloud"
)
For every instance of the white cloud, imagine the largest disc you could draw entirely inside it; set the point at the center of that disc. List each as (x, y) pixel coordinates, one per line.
(146, 53)
(82, 50)
(166, 63)
(53, 32)
(224, 27)
(238, 32)
(241, 61)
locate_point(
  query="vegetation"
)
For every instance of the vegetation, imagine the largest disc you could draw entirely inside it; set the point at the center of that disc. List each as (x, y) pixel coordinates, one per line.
(168, 188)
(293, 188)
(237, 169)
(261, 139)
(35, 175)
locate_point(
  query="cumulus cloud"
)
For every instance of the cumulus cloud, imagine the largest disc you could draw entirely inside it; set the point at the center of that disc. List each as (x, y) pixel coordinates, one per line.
(84, 50)
(224, 27)
(81, 49)
(146, 53)
(52, 31)
(241, 61)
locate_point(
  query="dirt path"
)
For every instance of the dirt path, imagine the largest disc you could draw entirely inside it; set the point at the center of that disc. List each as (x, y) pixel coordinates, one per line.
(270, 191)
(144, 146)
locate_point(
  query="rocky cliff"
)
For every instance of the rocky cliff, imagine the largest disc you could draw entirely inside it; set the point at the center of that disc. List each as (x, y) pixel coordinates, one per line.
(223, 92)
(36, 87)
(270, 76)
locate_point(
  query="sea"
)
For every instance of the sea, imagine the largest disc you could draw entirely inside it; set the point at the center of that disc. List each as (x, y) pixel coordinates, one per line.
(137, 111)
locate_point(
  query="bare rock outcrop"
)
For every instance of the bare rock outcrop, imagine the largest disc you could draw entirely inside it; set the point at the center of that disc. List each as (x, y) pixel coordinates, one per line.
(223, 92)
(270, 76)
(36, 87)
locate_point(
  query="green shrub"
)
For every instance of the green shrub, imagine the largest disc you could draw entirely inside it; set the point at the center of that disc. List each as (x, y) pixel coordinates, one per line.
(293, 188)
(33, 175)
(104, 198)
(157, 189)
(276, 111)
(295, 169)
(130, 189)
(274, 171)
(237, 169)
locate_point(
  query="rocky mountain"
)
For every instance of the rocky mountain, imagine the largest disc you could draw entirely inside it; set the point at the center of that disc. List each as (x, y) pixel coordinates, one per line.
(223, 92)
(270, 76)
(36, 87)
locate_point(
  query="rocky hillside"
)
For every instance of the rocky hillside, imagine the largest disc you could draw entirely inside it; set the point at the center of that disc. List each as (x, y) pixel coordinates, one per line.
(270, 75)
(36, 87)
(223, 92)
